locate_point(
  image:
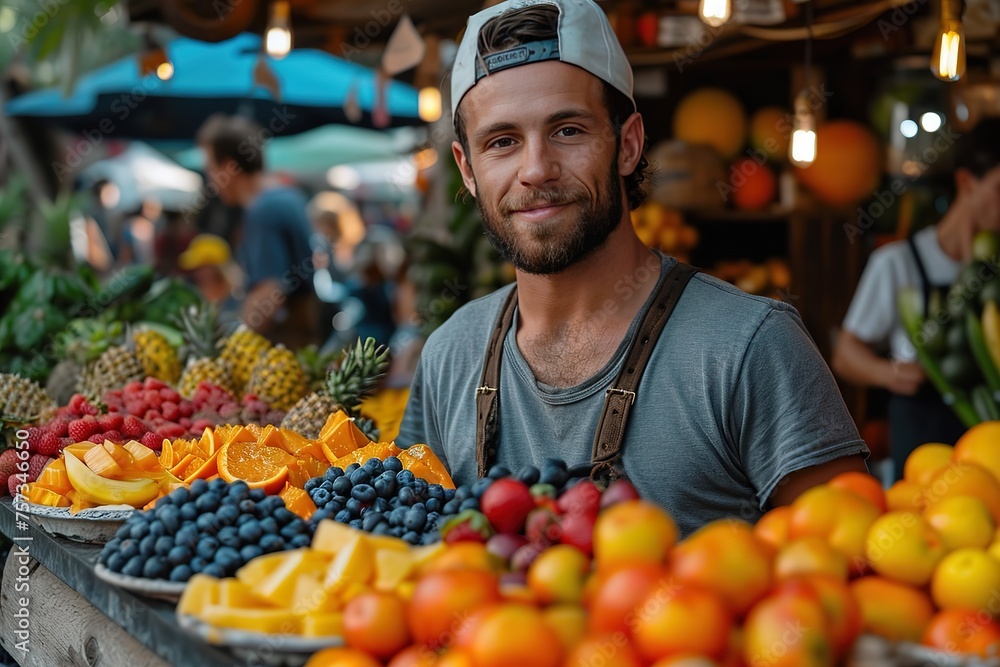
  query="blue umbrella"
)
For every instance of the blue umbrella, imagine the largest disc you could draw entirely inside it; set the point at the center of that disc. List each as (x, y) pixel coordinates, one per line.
(313, 88)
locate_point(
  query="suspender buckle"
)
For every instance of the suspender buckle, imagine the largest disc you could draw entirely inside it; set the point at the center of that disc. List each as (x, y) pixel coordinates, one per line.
(485, 390)
(623, 392)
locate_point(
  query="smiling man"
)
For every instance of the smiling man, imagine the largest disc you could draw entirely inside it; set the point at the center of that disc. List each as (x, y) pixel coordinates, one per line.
(712, 402)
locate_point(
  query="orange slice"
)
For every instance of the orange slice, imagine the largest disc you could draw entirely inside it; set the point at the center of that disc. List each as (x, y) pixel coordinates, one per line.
(260, 467)
(298, 501)
(239, 434)
(421, 458)
(167, 455)
(374, 450)
(177, 470)
(271, 437)
(295, 442)
(305, 468)
(210, 442)
(332, 422)
(202, 469)
(344, 439)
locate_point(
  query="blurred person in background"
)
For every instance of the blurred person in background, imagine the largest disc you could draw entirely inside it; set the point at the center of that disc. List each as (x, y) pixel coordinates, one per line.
(273, 248)
(172, 240)
(209, 261)
(929, 260)
(137, 242)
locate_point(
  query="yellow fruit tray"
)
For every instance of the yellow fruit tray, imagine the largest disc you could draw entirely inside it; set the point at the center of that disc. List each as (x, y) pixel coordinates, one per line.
(96, 525)
(170, 591)
(874, 651)
(252, 647)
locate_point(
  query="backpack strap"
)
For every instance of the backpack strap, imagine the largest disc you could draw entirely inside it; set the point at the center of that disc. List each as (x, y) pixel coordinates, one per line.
(488, 391)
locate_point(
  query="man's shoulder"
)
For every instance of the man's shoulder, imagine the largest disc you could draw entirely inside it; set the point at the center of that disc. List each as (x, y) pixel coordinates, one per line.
(713, 298)
(467, 331)
(279, 197)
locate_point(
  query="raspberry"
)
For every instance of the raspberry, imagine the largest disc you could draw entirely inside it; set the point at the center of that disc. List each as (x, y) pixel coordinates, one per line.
(97, 439)
(170, 411)
(8, 464)
(170, 394)
(153, 440)
(249, 397)
(132, 388)
(81, 429)
(132, 427)
(114, 436)
(136, 407)
(34, 436)
(89, 409)
(199, 425)
(36, 464)
(153, 383)
(12, 483)
(152, 398)
(185, 422)
(60, 427)
(172, 430)
(48, 444)
(151, 415)
(110, 422)
(76, 404)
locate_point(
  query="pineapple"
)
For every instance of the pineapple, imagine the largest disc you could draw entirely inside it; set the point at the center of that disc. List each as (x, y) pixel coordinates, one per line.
(317, 364)
(359, 373)
(114, 369)
(278, 378)
(202, 333)
(23, 401)
(158, 357)
(241, 350)
(80, 345)
(63, 381)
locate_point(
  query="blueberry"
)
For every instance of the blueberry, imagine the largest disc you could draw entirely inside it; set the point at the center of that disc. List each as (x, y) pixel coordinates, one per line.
(360, 476)
(284, 516)
(228, 514)
(247, 506)
(219, 486)
(333, 473)
(133, 568)
(528, 475)
(320, 497)
(250, 532)
(207, 523)
(207, 547)
(355, 523)
(449, 494)
(207, 502)
(272, 543)
(155, 568)
(214, 570)
(342, 486)
(557, 463)
(239, 489)
(229, 537)
(435, 491)
(451, 507)
(392, 464)
(257, 495)
(385, 485)
(123, 530)
(300, 541)
(416, 518)
(353, 506)
(364, 493)
(249, 552)
(420, 486)
(461, 493)
(553, 475)
(430, 538)
(398, 516)
(198, 487)
(406, 495)
(374, 467)
(139, 531)
(312, 484)
(198, 564)
(115, 562)
(432, 520)
(147, 546)
(291, 530)
(180, 573)
(336, 505)
(433, 505)
(269, 525)
(343, 516)
(380, 505)
(469, 504)
(189, 511)
(412, 537)
(163, 545)
(321, 514)
(180, 495)
(129, 548)
(404, 477)
(178, 555)
(111, 547)
(187, 537)
(498, 472)
(228, 558)
(270, 504)
(371, 520)
(480, 486)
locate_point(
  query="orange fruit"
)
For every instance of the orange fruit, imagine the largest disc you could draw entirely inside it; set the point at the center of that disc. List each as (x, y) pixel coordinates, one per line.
(514, 634)
(634, 530)
(863, 484)
(454, 658)
(464, 556)
(788, 629)
(848, 163)
(904, 547)
(414, 656)
(772, 528)
(619, 594)
(341, 657)
(681, 619)
(963, 632)
(260, 467)
(766, 132)
(965, 479)
(423, 462)
(892, 610)
(558, 575)
(725, 557)
(979, 445)
(962, 521)
(298, 501)
(607, 650)
(839, 516)
(809, 555)
(966, 579)
(375, 623)
(843, 612)
(342, 439)
(905, 496)
(924, 461)
(442, 599)
(569, 621)
(686, 660)
(714, 117)
(753, 184)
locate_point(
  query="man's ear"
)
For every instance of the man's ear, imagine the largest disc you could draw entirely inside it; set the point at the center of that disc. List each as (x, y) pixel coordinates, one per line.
(463, 166)
(965, 181)
(633, 137)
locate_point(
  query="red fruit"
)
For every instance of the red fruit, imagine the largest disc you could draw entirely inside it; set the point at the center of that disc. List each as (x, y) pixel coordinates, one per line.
(132, 388)
(186, 408)
(199, 425)
(152, 398)
(578, 531)
(97, 439)
(81, 429)
(171, 395)
(185, 422)
(153, 383)
(36, 464)
(114, 436)
(170, 430)
(618, 491)
(151, 415)
(170, 411)
(153, 440)
(110, 422)
(524, 557)
(13, 482)
(466, 526)
(132, 427)
(503, 545)
(136, 406)
(8, 464)
(59, 427)
(48, 444)
(506, 504)
(582, 498)
(65, 442)
(543, 528)
(76, 404)
(34, 436)
(89, 409)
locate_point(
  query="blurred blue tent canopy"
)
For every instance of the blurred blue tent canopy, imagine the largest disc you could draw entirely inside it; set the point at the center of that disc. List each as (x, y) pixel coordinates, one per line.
(313, 87)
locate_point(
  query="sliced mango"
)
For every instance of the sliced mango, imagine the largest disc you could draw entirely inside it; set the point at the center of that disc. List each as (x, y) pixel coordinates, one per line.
(54, 478)
(202, 591)
(278, 588)
(93, 488)
(353, 564)
(392, 568)
(236, 594)
(144, 457)
(269, 621)
(260, 568)
(41, 496)
(100, 461)
(323, 624)
(331, 537)
(310, 596)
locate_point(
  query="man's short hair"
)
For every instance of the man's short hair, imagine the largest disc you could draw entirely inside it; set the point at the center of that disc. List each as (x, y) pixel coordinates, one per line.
(235, 138)
(978, 150)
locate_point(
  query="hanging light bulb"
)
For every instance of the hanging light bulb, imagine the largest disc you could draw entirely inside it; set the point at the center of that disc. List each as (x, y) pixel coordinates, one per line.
(154, 61)
(715, 12)
(429, 104)
(278, 39)
(802, 148)
(948, 58)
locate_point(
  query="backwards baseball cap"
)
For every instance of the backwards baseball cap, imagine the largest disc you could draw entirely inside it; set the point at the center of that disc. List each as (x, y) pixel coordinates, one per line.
(583, 38)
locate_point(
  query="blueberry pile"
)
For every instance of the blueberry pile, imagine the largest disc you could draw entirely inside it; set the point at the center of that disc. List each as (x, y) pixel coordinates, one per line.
(381, 498)
(213, 528)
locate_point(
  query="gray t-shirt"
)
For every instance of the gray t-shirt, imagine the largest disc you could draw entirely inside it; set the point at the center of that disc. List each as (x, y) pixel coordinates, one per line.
(735, 397)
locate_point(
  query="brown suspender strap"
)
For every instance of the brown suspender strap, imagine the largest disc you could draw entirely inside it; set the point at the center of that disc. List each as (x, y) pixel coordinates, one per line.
(610, 435)
(620, 398)
(488, 391)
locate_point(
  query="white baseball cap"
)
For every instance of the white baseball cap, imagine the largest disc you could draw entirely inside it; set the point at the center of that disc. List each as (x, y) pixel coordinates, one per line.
(584, 38)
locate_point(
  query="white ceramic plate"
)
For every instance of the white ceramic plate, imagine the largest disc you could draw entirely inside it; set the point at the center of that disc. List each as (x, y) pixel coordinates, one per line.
(153, 588)
(257, 648)
(96, 525)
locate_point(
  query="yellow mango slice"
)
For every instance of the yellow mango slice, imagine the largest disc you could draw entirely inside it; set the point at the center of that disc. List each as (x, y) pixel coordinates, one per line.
(144, 457)
(278, 588)
(201, 591)
(323, 624)
(41, 496)
(54, 478)
(100, 461)
(353, 564)
(331, 537)
(268, 621)
(238, 595)
(392, 567)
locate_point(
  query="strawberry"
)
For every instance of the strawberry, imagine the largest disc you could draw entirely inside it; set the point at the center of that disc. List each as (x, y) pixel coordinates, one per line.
(171, 430)
(8, 464)
(582, 498)
(542, 528)
(467, 526)
(36, 464)
(136, 406)
(13, 482)
(59, 427)
(168, 394)
(506, 505)
(152, 398)
(65, 442)
(153, 383)
(151, 415)
(81, 429)
(34, 435)
(132, 427)
(185, 422)
(97, 438)
(76, 404)
(89, 409)
(114, 436)
(186, 408)
(171, 412)
(48, 444)
(153, 440)
(110, 422)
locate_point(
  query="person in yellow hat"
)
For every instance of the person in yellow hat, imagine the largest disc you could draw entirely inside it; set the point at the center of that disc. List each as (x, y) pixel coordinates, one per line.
(209, 261)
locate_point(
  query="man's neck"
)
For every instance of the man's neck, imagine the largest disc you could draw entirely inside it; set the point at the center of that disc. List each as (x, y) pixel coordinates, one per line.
(247, 187)
(955, 232)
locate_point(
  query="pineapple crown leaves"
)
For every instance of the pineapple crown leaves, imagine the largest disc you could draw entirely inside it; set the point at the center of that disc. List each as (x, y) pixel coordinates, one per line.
(84, 340)
(361, 369)
(316, 364)
(202, 331)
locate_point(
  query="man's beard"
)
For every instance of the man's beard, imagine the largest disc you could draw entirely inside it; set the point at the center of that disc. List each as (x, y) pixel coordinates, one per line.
(555, 250)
